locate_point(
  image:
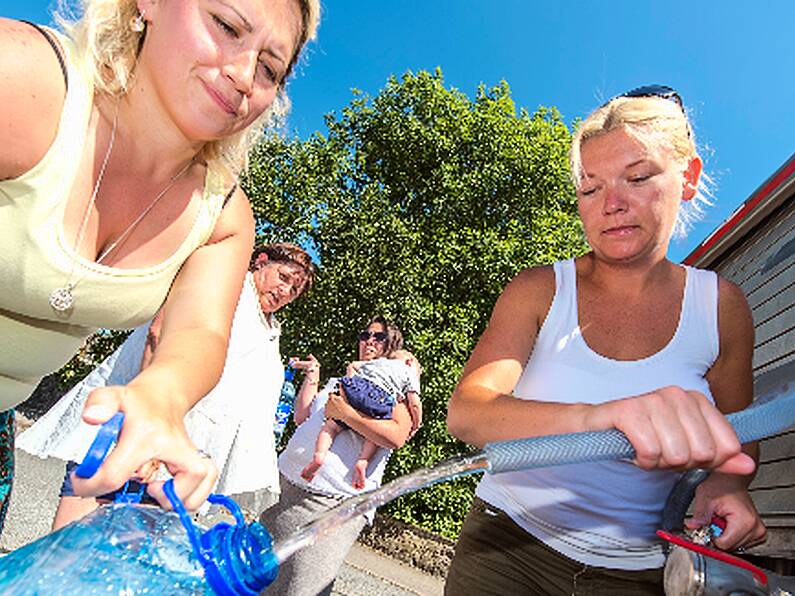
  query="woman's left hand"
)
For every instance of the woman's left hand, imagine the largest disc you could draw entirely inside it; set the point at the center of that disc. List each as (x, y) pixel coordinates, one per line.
(726, 496)
(337, 406)
(153, 429)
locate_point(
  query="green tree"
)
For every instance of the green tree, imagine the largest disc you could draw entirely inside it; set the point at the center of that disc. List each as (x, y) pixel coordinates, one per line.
(420, 204)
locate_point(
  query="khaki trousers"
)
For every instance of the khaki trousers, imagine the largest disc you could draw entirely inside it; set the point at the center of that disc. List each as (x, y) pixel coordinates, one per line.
(496, 556)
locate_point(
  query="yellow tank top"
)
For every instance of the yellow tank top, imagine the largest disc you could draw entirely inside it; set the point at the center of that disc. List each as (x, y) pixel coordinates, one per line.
(35, 259)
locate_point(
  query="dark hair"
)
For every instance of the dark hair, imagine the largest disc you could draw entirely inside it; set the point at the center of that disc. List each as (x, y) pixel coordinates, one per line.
(394, 339)
(284, 252)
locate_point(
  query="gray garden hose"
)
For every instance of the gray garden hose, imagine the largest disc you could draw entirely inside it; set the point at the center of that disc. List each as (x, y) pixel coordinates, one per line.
(770, 415)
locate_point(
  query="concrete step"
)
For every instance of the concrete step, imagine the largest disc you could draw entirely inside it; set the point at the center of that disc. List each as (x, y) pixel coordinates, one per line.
(368, 572)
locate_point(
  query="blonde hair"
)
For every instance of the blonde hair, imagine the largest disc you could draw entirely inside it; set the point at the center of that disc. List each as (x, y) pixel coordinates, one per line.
(655, 122)
(110, 50)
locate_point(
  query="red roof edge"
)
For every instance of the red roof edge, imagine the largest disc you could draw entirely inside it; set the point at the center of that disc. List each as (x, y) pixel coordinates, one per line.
(744, 210)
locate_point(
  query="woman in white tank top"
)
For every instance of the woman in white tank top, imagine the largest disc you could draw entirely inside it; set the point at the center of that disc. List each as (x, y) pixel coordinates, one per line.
(623, 338)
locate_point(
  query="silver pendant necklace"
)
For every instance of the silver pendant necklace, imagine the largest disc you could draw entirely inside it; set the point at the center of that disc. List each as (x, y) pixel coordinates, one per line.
(62, 299)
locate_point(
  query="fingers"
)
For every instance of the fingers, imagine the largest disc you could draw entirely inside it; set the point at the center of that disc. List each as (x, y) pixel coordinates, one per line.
(728, 456)
(119, 466)
(757, 534)
(194, 478)
(676, 429)
(148, 436)
(688, 439)
(741, 464)
(725, 496)
(743, 527)
(741, 535)
(147, 472)
(102, 403)
(703, 512)
(310, 363)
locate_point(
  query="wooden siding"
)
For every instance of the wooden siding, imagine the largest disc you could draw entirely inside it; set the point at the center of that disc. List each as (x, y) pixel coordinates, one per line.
(763, 265)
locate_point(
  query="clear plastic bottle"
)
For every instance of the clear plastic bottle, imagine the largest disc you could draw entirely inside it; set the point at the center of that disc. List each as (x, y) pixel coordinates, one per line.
(117, 549)
(284, 408)
(128, 548)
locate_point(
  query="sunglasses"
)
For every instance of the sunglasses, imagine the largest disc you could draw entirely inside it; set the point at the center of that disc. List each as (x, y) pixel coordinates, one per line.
(661, 91)
(378, 336)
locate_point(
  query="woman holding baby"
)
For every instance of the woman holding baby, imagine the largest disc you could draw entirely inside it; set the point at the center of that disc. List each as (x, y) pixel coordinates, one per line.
(313, 569)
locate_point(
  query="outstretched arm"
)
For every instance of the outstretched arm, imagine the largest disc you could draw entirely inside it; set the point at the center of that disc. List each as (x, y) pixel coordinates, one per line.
(187, 363)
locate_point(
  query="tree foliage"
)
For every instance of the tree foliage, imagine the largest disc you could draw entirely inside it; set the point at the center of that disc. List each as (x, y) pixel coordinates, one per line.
(420, 203)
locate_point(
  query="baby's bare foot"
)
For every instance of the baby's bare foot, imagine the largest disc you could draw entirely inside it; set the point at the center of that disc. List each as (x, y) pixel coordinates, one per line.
(359, 475)
(310, 470)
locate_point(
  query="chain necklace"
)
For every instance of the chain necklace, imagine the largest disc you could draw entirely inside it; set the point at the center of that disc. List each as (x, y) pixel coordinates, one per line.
(62, 299)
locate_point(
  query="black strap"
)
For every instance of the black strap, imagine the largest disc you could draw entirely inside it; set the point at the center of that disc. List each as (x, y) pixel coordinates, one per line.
(229, 195)
(56, 48)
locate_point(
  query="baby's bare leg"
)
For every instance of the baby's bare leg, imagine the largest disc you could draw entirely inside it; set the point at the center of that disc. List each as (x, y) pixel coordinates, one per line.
(325, 438)
(360, 467)
(415, 412)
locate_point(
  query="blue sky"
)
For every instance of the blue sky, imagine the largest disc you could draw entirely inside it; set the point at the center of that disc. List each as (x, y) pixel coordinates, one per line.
(731, 60)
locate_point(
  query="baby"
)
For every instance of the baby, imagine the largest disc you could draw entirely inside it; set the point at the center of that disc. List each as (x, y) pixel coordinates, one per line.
(373, 388)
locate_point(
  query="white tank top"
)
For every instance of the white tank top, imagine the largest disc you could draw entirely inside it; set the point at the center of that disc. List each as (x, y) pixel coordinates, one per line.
(603, 514)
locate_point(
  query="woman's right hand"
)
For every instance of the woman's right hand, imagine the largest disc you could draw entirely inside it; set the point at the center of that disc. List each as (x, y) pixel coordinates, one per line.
(310, 366)
(152, 429)
(309, 386)
(674, 429)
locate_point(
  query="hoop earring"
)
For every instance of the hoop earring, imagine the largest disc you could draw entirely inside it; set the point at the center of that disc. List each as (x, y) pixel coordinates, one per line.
(138, 24)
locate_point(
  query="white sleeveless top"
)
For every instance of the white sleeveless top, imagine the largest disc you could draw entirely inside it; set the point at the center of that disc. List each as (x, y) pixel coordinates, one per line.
(603, 514)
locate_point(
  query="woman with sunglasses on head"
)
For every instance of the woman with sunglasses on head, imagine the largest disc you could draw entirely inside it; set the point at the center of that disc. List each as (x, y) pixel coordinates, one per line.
(312, 570)
(622, 338)
(123, 140)
(232, 424)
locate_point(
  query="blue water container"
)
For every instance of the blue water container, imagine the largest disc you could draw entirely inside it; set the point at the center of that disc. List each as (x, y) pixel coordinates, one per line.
(129, 548)
(284, 408)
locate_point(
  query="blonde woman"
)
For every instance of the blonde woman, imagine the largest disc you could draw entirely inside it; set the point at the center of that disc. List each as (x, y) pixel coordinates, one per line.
(123, 139)
(621, 338)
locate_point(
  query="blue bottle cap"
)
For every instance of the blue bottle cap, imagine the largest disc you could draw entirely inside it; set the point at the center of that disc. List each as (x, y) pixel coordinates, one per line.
(237, 560)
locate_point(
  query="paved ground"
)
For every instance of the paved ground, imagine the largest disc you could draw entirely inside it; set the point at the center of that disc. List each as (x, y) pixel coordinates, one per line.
(365, 573)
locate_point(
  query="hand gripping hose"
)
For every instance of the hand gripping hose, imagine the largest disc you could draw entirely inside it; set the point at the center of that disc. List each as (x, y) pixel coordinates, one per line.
(768, 416)
(684, 490)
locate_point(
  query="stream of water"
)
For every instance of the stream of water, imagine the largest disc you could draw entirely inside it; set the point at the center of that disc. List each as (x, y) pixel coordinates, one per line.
(462, 465)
